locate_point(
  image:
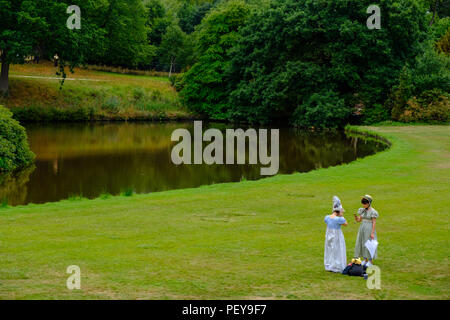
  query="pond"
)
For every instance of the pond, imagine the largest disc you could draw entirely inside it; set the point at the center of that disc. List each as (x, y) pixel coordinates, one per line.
(96, 158)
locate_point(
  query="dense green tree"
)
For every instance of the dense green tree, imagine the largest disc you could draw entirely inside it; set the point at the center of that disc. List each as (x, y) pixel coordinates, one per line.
(173, 46)
(438, 8)
(15, 42)
(444, 9)
(157, 21)
(204, 84)
(26, 26)
(443, 44)
(296, 49)
(191, 14)
(127, 34)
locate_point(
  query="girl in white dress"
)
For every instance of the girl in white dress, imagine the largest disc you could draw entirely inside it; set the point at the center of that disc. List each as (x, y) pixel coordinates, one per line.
(335, 258)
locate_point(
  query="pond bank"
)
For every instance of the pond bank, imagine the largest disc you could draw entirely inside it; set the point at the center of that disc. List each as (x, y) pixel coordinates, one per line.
(253, 239)
(36, 96)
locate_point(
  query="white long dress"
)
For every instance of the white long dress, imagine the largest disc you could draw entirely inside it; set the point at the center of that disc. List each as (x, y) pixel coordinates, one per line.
(335, 258)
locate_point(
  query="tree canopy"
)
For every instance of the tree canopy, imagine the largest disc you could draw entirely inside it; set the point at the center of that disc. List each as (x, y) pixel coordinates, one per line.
(39, 28)
(205, 83)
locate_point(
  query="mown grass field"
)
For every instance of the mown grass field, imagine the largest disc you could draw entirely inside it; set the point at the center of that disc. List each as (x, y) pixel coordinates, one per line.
(35, 94)
(249, 240)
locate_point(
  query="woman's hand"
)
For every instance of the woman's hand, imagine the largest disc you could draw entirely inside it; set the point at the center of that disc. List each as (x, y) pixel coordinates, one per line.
(372, 236)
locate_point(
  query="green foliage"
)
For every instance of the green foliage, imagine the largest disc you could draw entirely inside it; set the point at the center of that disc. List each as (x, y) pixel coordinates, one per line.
(443, 45)
(297, 49)
(4, 203)
(430, 72)
(14, 150)
(191, 14)
(431, 106)
(127, 34)
(138, 93)
(174, 47)
(323, 109)
(39, 28)
(105, 196)
(439, 28)
(127, 192)
(203, 87)
(437, 8)
(177, 81)
(112, 104)
(376, 114)
(157, 21)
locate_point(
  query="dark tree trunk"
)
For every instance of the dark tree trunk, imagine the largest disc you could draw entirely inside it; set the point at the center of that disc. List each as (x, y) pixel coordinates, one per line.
(434, 12)
(4, 77)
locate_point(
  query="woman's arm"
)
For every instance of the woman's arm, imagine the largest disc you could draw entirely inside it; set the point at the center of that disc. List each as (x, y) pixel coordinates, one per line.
(372, 235)
(342, 221)
(357, 218)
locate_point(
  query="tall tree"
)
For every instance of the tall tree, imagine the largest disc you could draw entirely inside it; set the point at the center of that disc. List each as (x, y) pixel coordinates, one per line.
(172, 46)
(157, 21)
(204, 85)
(24, 25)
(191, 14)
(15, 40)
(127, 43)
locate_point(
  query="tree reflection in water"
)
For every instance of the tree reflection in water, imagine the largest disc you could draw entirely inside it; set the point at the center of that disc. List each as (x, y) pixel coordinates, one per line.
(91, 159)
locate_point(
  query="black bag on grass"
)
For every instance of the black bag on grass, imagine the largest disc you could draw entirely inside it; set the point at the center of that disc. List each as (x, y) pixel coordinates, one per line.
(356, 270)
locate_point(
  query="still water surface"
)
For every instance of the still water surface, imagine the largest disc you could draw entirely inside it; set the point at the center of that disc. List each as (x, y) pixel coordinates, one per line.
(95, 158)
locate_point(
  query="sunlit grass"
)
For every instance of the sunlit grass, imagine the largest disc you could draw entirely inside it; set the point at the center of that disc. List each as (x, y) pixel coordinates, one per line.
(252, 239)
(107, 96)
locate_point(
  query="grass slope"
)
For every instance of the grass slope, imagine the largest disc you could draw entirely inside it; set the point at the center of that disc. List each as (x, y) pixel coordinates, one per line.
(253, 239)
(35, 95)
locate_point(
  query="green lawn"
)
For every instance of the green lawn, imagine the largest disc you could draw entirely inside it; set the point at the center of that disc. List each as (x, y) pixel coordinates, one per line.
(247, 240)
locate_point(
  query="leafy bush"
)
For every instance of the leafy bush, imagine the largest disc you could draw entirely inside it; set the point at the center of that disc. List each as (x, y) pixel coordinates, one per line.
(172, 79)
(127, 192)
(431, 70)
(431, 106)
(14, 150)
(443, 45)
(178, 82)
(138, 93)
(323, 110)
(376, 114)
(440, 28)
(111, 104)
(156, 95)
(429, 73)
